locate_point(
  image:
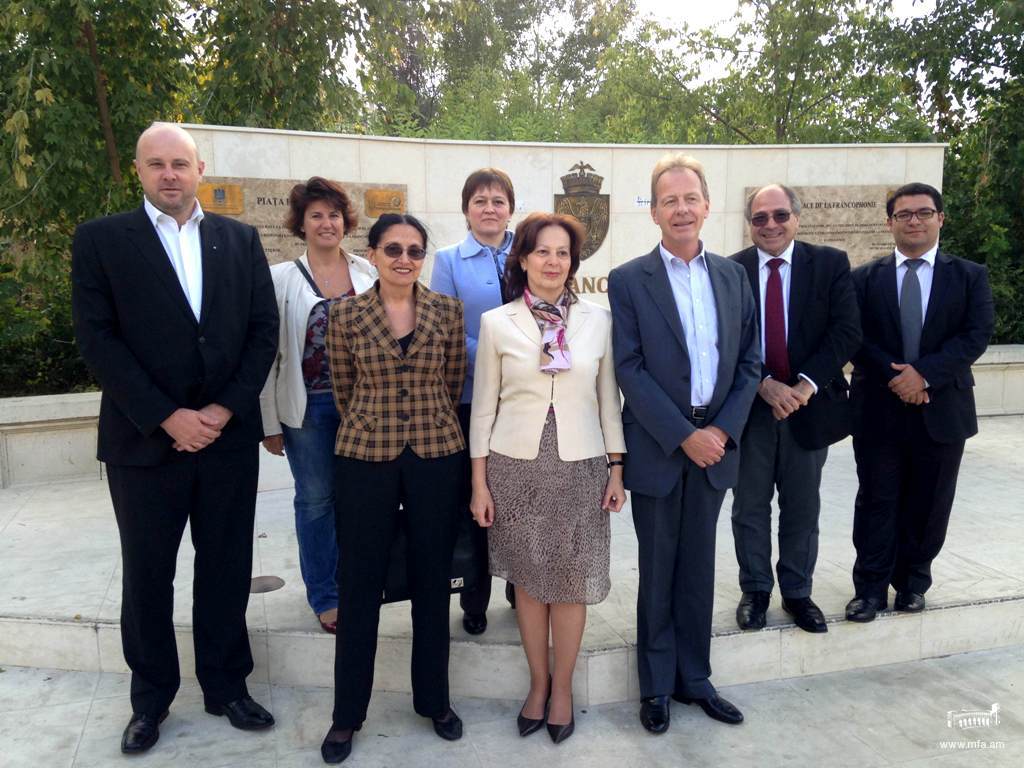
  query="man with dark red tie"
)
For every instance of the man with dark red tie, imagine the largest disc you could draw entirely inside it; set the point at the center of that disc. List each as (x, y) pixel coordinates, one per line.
(810, 327)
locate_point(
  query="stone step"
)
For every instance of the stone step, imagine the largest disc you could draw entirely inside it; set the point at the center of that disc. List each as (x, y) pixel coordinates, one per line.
(606, 672)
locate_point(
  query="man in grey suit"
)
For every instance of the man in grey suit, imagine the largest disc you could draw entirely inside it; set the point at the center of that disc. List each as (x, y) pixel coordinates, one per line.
(688, 361)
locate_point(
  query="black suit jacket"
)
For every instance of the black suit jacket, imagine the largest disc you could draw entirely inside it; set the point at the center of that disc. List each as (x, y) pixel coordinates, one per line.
(957, 326)
(138, 335)
(824, 332)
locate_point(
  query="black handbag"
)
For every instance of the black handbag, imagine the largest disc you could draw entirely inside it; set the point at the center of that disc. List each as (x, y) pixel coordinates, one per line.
(465, 568)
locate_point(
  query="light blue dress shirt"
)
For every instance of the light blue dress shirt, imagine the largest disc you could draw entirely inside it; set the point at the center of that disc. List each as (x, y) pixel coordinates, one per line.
(695, 302)
(468, 272)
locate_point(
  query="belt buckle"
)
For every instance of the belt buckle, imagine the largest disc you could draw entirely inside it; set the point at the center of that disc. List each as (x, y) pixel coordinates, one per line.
(698, 414)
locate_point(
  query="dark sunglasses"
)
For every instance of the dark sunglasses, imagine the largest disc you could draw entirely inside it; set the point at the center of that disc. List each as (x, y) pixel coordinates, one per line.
(395, 251)
(760, 219)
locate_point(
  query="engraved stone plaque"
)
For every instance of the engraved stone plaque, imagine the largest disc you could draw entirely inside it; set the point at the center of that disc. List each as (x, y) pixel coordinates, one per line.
(848, 217)
(263, 203)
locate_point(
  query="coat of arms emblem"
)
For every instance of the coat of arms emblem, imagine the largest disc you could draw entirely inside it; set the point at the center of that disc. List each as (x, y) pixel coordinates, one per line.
(583, 199)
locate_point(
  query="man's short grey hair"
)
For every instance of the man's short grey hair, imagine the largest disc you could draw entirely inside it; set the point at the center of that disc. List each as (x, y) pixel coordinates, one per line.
(794, 201)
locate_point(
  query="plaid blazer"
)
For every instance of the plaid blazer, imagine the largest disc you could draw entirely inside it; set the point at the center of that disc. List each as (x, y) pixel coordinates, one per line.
(388, 400)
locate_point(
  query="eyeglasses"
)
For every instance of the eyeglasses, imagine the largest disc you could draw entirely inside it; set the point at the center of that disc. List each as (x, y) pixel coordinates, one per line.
(922, 215)
(395, 251)
(761, 219)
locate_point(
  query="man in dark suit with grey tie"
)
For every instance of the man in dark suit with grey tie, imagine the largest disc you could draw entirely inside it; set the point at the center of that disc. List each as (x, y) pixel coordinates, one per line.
(174, 313)
(810, 327)
(687, 359)
(927, 316)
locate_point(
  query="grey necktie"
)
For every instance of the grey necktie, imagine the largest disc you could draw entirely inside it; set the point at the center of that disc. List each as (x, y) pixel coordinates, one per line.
(910, 311)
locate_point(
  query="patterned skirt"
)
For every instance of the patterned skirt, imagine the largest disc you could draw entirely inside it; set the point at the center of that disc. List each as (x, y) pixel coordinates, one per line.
(550, 535)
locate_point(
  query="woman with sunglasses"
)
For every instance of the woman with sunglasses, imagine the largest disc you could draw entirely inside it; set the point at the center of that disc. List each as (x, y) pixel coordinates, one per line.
(398, 361)
(472, 272)
(299, 418)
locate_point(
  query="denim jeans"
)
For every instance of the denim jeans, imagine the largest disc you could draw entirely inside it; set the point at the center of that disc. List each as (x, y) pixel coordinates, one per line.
(310, 452)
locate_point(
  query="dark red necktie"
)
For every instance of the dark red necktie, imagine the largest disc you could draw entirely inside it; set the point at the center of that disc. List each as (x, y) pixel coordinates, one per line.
(776, 358)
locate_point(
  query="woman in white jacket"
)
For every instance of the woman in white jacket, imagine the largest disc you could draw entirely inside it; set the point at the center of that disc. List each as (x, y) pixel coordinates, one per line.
(299, 417)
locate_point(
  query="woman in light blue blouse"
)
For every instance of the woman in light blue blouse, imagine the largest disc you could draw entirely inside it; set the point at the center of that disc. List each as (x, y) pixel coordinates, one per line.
(472, 271)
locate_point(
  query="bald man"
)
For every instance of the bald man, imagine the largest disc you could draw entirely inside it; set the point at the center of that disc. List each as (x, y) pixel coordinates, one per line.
(174, 313)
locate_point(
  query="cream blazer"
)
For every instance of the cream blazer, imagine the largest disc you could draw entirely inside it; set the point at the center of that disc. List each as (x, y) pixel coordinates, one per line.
(511, 395)
(283, 399)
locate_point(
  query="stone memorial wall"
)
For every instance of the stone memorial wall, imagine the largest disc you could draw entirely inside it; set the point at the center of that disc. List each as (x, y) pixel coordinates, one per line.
(250, 171)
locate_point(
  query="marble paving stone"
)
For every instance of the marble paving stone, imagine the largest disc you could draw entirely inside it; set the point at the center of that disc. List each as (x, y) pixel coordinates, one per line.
(302, 659)
(12, 500)
(1010, 755)
(38, 643)
(30, 688)
(43, 736)
(745, 657)
(889, 639)
(607, 677)
(66, 584)
(971, 628)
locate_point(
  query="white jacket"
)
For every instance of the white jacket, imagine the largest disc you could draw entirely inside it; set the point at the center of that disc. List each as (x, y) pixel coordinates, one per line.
(511, 395)
(283, 399)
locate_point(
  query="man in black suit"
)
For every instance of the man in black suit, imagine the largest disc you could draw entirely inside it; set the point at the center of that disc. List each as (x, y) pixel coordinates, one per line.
(810, 327)
(684, 333)
(174, 313)
(927, 316)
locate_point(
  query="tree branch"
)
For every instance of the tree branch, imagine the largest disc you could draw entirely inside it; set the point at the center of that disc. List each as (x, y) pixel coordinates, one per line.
(100, 79)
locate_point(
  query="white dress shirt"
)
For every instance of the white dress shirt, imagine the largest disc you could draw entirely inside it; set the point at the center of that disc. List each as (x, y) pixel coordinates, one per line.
(695, 302)
(785, 274)
(183, 249)
(925, 272)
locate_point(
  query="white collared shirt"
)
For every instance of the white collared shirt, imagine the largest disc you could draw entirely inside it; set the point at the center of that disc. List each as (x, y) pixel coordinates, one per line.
(786, 275)
(925, 272)
(695, 302)
(183, 248)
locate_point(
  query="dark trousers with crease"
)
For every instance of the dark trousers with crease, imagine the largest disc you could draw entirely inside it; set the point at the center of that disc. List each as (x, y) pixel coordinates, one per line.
(907, 483)
(368, 497)
(477, 599)
(215, 492)
(676, 537)
(770, 457)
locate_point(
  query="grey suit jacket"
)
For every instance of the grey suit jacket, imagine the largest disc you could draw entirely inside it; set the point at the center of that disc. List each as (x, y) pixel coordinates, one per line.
(653, 370)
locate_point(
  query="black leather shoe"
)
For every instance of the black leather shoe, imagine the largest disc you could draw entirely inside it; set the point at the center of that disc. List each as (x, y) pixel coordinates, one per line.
(528, 725)
(909, 602)
(448, 726)
(654, 714)
(510, 594)
(244, 713)
(864, 609)
(750, 613)
(805, 613)
(714, 707)
(141, 733)
(474, 623)
(560, 733)
(336, 747)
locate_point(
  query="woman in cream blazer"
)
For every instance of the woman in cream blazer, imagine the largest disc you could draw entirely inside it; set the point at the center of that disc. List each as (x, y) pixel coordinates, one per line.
(299, 417)
(546, 450)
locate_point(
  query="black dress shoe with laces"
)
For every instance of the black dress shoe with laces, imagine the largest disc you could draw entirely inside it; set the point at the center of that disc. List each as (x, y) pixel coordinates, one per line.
(715, 707)
(752, 610)
(448, 726)
(141, 733)
(909, 602)
(805, 613)
(864, 609)
(474, 623)
(244, 714)
(654, 715)
(337, 745)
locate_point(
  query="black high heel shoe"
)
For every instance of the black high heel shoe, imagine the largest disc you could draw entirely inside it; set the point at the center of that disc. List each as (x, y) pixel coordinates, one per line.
(560, 733)
(336, 750)
(528, 725)
(510, 594)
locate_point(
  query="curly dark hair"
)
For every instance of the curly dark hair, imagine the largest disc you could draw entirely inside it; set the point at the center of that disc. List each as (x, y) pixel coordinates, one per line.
(318, 188)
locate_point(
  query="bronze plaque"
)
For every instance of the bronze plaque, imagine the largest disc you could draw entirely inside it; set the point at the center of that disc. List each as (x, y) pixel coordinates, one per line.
(583, 200)
(851, 218)
(263, 203)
